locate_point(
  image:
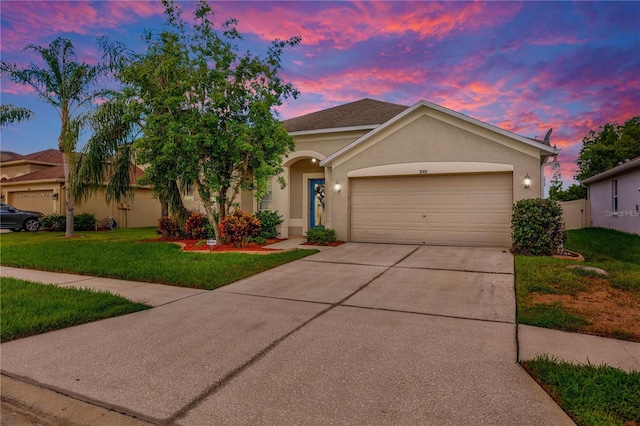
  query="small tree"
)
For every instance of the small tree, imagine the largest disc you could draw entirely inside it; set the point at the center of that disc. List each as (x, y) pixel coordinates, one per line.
(537, 227)
(206, 112)
(574, 192)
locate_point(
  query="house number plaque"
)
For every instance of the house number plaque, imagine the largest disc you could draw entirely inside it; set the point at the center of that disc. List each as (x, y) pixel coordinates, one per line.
(422, 172)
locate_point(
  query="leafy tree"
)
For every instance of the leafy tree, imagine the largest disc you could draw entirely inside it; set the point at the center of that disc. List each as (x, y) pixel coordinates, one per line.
(67, 85)
(574, 192)
(604, 149)
(10, 114)
(206, 112)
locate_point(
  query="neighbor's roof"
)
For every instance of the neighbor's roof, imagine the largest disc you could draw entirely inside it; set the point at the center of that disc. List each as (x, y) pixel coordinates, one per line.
(367, 113)
(50, 173)
(422, 104)
(57, 173)
(628, 166)
(51, 156)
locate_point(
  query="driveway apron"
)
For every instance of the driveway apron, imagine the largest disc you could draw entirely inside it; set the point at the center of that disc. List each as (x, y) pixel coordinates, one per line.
(359, 334)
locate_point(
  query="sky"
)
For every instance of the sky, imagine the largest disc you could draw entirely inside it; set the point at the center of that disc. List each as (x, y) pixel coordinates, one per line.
(525, 67)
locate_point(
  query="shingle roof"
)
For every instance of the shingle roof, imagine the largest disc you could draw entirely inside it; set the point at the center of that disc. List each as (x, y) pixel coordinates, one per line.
(54, 172)
(57, 172)
(9, 156)
(47, 156)
(53, 156)
(360, 113)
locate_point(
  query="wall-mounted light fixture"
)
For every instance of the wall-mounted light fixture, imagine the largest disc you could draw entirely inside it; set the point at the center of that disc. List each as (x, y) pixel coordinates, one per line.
(337, 186)
(313, 160)
(55, 196)
(527, 181)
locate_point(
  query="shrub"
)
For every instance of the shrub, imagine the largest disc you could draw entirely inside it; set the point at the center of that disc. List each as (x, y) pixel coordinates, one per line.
(167, 227)
(238, 227)
(54, 222)
(258, 240)
(269, 222)
(321, 235)
(537, 227)
(196, 226)
(84, 222)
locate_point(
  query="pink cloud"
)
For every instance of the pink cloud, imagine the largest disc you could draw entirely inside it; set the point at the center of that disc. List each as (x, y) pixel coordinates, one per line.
(344, 24)
(52, 18)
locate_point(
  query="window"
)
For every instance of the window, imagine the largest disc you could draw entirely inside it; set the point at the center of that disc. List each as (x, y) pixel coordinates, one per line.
(614, 191)
(266, 203)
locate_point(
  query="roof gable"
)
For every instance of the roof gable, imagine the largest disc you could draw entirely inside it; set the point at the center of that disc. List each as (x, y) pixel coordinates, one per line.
(365, 112)
(424, 104)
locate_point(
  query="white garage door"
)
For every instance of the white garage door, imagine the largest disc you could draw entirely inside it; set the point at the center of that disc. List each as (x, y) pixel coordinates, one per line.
(473, 210)
(39, 201)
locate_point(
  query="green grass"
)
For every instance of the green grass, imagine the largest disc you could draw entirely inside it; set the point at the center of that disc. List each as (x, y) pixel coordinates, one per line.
(31, 308)
(618, 253)
(591, 395)
(123, 254)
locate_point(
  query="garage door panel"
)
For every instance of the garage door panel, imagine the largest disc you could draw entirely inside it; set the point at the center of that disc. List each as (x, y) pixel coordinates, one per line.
(446, 210)
(39, 201)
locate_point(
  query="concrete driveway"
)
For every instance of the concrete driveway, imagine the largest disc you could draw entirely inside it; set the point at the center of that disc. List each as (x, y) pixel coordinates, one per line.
(360, 334)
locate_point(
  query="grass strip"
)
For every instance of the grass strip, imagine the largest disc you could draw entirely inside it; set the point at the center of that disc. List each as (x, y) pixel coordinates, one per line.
(123, 254)
(31, 308)
(591, 395)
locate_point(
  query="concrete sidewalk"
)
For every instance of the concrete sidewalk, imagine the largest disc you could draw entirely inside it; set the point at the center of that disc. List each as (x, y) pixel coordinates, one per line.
(148, 293)
(363, 333)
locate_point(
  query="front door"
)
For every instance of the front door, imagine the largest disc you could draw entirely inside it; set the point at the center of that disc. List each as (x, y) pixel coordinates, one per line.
(316, 203)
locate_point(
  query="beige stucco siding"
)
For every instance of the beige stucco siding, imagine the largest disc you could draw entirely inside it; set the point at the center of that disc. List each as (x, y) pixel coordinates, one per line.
(423, 138)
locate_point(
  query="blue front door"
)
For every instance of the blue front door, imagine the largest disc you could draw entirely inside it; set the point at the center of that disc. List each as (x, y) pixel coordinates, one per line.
(316, 203)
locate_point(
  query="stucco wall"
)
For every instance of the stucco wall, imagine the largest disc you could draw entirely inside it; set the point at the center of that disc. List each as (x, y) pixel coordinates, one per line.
(426, 138)
(627, 217)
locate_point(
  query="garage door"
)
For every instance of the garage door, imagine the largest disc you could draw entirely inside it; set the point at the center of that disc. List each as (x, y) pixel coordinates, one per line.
(39, 201)
(468, 209)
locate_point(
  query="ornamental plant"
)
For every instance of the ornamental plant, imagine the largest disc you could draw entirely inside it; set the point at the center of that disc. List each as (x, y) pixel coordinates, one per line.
(239, 227)
(197, 226)
(269, 222)
(537, 227)
(168, 227)
(321, 235)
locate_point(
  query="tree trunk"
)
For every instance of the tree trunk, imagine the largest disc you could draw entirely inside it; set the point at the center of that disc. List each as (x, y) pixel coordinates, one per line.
(68, 200)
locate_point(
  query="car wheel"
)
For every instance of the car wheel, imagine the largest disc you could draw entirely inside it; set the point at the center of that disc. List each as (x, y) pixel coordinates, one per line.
(31, 225)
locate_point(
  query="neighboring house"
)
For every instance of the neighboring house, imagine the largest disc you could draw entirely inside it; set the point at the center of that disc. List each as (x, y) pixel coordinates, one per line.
(36, 182)
(381, 172)
(614, 196)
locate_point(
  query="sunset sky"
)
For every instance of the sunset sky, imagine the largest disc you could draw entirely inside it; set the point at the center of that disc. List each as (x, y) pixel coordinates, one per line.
(522, 66)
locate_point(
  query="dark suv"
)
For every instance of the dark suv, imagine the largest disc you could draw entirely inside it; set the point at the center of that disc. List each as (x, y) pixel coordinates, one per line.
(16, 219)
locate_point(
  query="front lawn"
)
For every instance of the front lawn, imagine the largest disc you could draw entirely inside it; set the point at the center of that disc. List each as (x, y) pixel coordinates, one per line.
(591, 395)
(124, 254)
(552, 296)
(31, 308)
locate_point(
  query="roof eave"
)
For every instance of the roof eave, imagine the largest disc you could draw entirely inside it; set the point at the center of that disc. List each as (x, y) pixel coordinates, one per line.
(543, 148)
(629, 165)
(334, 130)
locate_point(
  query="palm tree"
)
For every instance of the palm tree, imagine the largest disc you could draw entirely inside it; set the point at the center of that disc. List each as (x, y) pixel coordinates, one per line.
(10, 114)
(67, 85)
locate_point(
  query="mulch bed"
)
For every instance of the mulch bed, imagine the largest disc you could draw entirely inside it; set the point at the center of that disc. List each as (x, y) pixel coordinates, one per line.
(333, 244)
(201, 246)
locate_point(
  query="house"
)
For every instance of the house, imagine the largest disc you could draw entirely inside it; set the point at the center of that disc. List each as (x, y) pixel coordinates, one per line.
(421, 174)
(614, 197)
(36, 182)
